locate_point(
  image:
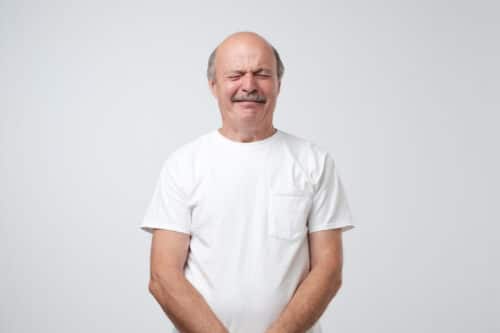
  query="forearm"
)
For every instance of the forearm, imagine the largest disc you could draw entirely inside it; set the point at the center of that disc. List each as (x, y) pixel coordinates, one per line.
(308, 303)
(184, 305)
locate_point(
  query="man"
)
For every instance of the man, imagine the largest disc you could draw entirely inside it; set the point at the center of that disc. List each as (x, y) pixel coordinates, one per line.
(246, 219)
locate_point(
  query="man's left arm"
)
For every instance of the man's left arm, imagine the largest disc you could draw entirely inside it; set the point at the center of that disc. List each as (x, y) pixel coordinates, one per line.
(318, 288)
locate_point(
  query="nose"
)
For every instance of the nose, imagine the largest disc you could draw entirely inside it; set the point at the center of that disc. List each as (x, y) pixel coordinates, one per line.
(248, 83)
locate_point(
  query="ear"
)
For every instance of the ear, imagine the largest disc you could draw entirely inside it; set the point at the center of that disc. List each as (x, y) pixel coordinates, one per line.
(279, 86)
(213, 87)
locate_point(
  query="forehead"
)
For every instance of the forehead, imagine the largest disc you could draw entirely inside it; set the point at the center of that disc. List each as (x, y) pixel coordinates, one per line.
(245, 55)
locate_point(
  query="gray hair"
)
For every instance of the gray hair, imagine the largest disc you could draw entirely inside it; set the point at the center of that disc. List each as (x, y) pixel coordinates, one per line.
(211, 65)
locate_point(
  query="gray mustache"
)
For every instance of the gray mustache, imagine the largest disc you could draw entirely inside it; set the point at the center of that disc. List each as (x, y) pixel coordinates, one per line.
(251, 98)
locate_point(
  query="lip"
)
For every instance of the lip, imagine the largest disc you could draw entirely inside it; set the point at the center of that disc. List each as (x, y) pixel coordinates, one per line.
(249, 102)
(249, 105)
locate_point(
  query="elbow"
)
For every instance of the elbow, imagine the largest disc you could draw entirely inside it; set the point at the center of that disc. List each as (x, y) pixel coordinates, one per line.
(333, 287)
(157, 282)
(336, 281)
(337, 276)
(152, 287)
(160, 281)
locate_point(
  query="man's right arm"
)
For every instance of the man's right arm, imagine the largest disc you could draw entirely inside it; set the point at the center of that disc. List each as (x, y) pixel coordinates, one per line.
(181, 302)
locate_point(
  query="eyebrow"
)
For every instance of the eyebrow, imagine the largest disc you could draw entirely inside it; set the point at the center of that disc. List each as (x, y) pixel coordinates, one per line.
(257, 71)
(263, 70)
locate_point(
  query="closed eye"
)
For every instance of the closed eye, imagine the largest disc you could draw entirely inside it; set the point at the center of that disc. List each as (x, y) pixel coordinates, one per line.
(259, 74)
(262, 73)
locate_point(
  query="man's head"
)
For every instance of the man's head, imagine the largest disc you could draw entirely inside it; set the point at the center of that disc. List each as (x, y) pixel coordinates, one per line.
(244, 74)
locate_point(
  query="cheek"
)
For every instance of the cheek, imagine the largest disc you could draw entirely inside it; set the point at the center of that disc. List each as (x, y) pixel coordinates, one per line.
(269, 88)
(230, 90)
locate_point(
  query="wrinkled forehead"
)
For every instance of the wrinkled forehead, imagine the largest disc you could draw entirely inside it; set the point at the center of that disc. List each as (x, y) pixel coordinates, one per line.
(243, 57)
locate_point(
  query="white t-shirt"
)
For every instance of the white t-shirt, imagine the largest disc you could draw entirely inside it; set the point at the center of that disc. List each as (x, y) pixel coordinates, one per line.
(248, 208)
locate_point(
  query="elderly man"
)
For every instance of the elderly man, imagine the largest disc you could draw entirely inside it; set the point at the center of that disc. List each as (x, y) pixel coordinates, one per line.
(246, 219)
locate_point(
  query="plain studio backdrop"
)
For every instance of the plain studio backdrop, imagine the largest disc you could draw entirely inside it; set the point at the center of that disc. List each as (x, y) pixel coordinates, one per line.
(403, 94)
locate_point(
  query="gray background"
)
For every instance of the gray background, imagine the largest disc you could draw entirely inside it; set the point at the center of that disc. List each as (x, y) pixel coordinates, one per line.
(404, 94)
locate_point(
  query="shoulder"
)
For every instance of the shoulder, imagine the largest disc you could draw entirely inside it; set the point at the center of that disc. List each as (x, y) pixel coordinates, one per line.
(314, 159)
(187, 153)
(182, 164)
(302, 145)
(311, 154)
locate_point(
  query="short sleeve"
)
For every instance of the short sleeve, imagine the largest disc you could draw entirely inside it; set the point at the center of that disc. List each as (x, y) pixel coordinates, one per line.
(329, 209)
(168, 209)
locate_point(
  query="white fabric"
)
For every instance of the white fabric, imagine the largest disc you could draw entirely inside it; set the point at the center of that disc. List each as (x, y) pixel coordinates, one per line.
(248, 208)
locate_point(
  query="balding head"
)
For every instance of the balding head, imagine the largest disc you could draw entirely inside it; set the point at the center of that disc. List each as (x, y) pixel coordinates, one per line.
(245, 79)
(237, 39)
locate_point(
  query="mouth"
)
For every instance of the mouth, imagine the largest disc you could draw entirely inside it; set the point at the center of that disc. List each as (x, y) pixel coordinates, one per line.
(249, 101)
(250, 104)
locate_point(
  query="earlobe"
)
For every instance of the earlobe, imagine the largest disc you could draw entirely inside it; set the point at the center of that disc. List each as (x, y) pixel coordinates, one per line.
(211, 86)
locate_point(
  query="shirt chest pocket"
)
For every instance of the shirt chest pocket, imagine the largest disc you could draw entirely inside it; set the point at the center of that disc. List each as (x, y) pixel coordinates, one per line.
(288, 213)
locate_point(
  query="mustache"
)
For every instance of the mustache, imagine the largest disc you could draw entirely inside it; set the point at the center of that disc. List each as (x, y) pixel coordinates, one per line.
(250, 98)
